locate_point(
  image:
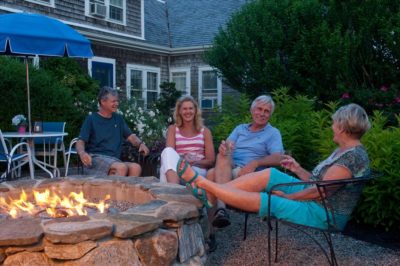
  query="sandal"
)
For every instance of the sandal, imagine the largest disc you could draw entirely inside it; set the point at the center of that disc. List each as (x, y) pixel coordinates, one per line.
(202, 196)
(221, 218)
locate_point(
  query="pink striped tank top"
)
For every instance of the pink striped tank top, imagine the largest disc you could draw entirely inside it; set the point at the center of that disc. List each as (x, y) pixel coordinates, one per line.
(194, 145)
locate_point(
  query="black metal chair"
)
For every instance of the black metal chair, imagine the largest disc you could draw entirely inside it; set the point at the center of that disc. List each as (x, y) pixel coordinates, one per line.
(338, 197)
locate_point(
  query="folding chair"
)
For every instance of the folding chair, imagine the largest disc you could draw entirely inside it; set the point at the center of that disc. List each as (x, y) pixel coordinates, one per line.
(50, 146)
(13, 159)
(338, 197)
(72, 150)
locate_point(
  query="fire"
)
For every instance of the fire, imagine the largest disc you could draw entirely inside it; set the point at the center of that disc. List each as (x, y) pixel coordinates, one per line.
(54, 204)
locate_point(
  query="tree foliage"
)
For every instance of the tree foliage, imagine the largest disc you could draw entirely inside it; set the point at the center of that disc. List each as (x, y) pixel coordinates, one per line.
(319, 48)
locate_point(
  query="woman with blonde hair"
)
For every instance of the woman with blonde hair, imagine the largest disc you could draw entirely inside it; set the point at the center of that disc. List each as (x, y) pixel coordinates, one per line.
(187, 138)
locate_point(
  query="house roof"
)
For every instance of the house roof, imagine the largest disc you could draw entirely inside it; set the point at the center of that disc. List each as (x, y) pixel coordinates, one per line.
(186, 23)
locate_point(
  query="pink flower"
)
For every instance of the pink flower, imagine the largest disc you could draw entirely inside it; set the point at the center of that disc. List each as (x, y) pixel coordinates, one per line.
(346, 95)
(384, 88)
(397, 100)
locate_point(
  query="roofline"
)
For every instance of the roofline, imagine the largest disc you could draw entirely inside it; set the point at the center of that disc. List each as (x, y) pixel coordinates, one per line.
(121, 40)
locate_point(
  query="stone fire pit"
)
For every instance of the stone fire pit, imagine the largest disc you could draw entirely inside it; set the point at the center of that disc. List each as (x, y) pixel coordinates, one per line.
(162, 227)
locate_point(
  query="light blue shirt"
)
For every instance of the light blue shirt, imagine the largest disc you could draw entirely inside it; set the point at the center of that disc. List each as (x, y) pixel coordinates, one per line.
(254, 145)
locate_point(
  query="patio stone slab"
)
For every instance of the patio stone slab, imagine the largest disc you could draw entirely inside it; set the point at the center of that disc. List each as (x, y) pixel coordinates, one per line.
(26, 231)
(75, 232)
(129, 225)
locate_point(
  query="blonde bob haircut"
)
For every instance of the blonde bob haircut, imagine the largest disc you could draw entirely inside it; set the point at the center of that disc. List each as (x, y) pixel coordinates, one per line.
(198, 120)
(352, 119)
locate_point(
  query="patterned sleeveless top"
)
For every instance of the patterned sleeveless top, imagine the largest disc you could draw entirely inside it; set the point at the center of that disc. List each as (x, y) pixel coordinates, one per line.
(195, 146)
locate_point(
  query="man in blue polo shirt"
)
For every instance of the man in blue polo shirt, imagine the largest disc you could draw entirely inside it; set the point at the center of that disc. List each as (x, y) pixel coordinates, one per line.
(250, 147)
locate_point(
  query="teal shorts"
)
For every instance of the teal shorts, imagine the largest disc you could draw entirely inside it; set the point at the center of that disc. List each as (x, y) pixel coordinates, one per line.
(308, 213)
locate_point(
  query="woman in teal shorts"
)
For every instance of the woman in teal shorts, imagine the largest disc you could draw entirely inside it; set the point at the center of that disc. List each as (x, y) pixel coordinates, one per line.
(298, 204)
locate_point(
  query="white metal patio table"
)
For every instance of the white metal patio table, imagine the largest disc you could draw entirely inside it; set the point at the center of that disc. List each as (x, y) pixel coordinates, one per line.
(30, 137)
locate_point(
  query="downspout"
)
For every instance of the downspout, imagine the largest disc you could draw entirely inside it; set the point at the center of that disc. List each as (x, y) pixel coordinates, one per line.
(169, 39)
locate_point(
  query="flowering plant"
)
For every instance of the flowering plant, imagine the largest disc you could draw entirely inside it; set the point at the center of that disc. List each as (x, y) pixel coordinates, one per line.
(148, 124)
(19, 120)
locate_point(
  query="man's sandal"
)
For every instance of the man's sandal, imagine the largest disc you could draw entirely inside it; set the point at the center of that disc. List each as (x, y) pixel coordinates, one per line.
(199, 193)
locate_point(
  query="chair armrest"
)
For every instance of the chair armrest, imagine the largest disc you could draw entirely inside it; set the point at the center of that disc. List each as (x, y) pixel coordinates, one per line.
(21, 144)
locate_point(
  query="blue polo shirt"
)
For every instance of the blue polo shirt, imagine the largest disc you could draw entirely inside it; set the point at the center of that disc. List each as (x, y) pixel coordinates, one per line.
(104, 135)
(254, 145)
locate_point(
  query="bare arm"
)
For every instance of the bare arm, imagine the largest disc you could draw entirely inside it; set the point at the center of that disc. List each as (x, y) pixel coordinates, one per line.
(209, 159)
(135, 141)
(335, 172)
(83, 155)
(292, 165)
(170, 137)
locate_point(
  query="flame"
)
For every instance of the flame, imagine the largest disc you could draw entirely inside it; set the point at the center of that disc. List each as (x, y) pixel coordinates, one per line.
(52, 203)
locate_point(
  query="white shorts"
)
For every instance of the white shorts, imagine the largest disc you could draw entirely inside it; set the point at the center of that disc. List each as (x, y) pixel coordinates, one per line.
(169, 160)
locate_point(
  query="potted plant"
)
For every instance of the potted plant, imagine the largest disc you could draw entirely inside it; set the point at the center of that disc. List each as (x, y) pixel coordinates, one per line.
(20, 122)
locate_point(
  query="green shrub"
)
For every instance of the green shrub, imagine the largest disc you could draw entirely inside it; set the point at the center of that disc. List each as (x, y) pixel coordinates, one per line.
(60, 91)
(379, 205)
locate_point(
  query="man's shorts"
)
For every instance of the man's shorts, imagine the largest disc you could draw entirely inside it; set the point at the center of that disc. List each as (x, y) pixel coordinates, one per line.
(101, 165)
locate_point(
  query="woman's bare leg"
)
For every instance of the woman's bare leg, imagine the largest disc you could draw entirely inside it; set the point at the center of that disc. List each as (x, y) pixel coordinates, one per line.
(242, 193)
(172, 177)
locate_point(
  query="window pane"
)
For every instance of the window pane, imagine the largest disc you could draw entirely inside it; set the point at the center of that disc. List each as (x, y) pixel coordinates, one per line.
(136, 84)
(116, 3)
(210, 80)
(116, 13)
(151, 98)
(152, 81)
(179, 78)
(103, 72)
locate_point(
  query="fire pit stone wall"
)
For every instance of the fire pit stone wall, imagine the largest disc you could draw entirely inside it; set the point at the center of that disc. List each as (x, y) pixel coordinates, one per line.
(164, 226)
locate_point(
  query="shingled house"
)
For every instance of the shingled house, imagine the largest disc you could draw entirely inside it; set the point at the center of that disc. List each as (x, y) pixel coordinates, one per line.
(139, 44)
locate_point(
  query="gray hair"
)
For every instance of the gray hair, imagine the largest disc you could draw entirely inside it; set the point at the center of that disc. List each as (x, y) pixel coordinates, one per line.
(104, 92)
(263, 99)
(353, 119)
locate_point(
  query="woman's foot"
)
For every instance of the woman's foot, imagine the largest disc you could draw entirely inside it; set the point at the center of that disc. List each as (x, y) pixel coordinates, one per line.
(190, 176)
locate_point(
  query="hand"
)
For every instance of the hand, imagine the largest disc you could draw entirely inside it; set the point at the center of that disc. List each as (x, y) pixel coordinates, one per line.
(248, 168)
(288, 162)
(143, 149)
(278, 193)
(223, 147)
(86, 158)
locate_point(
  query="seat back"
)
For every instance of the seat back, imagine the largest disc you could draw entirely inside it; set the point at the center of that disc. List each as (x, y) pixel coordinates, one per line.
(3, 146)
(51, 127)
(342, 196)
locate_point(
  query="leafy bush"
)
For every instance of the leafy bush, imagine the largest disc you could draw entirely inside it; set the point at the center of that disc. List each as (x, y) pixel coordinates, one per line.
(53, 96)
(167, 100)
(232, 113)
(379, 206)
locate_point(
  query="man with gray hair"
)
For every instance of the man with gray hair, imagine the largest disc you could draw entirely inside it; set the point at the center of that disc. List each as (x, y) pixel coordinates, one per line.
(101, 137)
(250, 147)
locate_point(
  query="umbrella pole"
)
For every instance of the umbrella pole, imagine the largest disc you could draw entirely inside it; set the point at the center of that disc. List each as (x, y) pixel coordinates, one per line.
(28, 94)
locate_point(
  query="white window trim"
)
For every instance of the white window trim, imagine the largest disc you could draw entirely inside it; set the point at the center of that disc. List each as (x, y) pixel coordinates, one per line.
(50, 4)
(182, 69)
(219, 85)
(144, 69)
(107, 18)
(102, 60)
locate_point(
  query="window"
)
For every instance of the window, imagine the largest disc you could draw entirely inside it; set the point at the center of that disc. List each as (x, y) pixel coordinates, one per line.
(113, 10)
(103, 70)
(210, 88)
(181, 78)
(43, 2)
(143, 84)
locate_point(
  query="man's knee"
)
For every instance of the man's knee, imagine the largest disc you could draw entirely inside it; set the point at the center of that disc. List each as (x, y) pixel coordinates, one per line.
(118, 169)
(134, 169)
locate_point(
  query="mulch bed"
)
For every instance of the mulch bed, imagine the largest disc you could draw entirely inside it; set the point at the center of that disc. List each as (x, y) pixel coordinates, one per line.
(378, 236)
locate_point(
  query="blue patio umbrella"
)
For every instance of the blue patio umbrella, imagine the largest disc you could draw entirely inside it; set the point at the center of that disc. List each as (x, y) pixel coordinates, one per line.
(33, 34)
